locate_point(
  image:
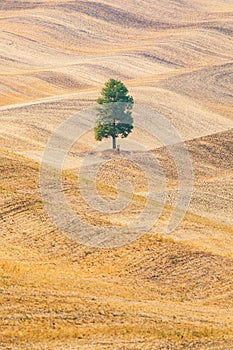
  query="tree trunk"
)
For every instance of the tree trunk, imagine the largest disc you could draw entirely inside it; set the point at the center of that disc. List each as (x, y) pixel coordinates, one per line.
(114, 142)
(114, 135)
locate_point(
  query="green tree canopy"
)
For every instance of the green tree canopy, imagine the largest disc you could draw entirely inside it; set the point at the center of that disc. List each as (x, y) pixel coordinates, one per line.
(114, 117)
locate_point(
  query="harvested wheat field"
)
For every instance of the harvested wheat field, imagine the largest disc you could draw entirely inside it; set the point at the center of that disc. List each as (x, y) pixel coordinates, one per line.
(160, 290)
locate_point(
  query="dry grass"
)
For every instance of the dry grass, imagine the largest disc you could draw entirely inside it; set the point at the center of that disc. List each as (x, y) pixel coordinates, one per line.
(161, 291)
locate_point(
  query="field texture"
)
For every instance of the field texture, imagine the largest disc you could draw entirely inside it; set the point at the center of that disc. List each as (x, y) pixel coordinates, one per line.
(161, 291)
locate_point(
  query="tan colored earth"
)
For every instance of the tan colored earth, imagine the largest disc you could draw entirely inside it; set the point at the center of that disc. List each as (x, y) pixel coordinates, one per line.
(161, 291)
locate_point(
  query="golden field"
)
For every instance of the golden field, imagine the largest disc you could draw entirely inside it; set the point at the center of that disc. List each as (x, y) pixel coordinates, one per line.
(162, 291)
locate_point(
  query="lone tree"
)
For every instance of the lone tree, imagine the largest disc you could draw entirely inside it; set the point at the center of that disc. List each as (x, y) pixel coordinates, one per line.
(114, 117)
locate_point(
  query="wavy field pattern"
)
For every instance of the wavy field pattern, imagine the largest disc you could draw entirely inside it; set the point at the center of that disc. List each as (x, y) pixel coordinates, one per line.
(161, 291)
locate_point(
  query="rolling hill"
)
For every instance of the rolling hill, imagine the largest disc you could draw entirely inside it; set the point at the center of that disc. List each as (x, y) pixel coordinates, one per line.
(161, 291)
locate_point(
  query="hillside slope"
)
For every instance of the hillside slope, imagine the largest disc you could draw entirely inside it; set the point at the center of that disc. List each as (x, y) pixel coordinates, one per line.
(161, 291)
